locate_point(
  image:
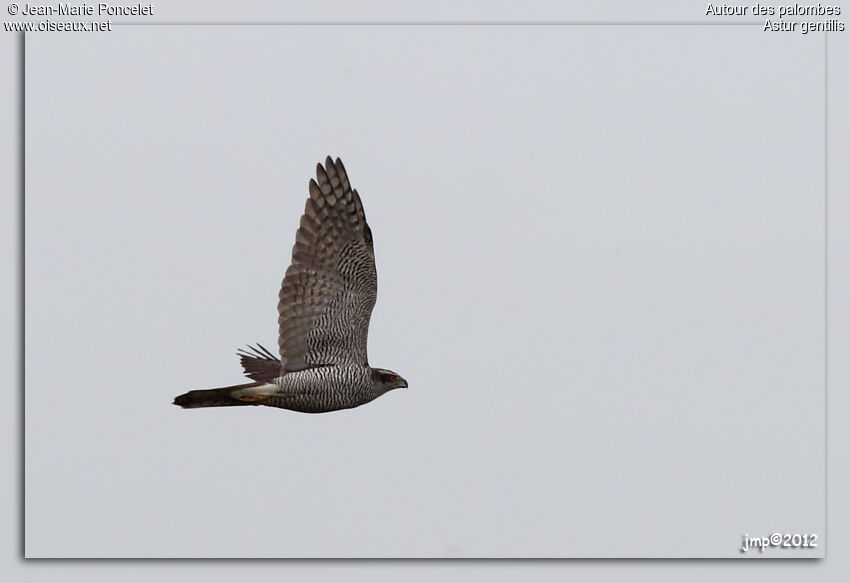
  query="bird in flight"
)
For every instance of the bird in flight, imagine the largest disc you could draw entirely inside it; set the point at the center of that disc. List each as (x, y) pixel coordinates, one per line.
(325, 303)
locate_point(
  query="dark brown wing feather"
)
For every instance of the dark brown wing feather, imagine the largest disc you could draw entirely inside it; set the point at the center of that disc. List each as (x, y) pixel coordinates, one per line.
(259, 364)
(330, 288)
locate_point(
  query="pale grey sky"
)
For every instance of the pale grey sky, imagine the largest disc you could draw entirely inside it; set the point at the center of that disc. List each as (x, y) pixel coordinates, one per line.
(600, 262)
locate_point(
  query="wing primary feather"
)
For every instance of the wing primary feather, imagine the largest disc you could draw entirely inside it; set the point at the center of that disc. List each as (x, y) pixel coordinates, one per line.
(266, 351)
(315, 191)
(324, 182)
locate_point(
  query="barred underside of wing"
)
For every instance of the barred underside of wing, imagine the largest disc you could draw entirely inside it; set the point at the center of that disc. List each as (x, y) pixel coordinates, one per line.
(329, 290)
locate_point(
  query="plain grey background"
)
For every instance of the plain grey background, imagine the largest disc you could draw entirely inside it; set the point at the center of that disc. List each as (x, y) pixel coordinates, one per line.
(837, 332)
(601, 270)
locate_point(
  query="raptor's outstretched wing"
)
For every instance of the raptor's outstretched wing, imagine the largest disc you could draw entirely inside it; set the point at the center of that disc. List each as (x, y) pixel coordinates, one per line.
(329, 290)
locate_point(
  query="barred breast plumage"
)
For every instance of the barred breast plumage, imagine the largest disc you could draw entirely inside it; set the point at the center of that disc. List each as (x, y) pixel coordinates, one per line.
(325, 303)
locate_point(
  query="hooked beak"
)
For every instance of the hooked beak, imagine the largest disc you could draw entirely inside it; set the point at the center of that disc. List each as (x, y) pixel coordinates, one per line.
(404, 385)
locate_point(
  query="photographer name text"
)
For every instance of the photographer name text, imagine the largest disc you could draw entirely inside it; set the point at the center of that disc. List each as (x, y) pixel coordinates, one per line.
(100, 9)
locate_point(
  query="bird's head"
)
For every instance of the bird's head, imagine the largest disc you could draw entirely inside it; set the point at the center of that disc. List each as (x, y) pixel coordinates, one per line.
(387, 380)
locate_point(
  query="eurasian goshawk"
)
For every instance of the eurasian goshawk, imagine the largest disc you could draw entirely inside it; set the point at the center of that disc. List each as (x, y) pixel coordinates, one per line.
(326, 300)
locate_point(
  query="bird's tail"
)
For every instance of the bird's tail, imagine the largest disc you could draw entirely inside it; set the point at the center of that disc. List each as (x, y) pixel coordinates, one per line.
(250, 394)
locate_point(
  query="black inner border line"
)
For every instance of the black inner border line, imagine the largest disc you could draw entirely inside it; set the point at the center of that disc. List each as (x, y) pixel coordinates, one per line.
(825, 290)
(21, 320)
